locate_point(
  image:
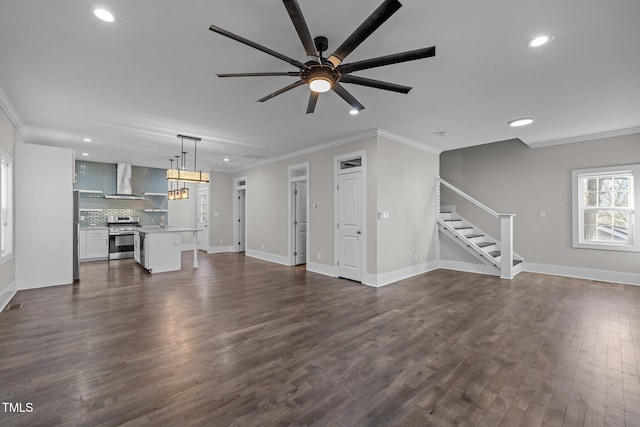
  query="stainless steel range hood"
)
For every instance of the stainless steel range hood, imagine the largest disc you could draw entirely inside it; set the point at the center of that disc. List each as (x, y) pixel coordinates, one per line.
(123, 184)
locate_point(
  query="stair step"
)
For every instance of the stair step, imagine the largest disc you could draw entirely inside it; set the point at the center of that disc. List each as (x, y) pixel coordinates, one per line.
(445, 212)
(473, 236)
(494, 254)
(465, 227)
(516, 262)
(451, 220)
(485, 244)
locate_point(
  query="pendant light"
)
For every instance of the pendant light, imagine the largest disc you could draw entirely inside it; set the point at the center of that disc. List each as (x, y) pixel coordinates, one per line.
(181, 174)
(170, 194)
(183, 193)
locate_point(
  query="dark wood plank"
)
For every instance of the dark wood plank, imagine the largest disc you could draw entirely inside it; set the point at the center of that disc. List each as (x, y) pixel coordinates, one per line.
(240, 342)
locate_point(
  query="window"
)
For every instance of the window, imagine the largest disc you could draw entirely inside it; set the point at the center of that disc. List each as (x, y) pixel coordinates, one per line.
(604, 208)
(6, 207)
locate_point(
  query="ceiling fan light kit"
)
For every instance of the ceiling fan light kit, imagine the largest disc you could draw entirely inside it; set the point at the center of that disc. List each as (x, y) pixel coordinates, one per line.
(325, 74)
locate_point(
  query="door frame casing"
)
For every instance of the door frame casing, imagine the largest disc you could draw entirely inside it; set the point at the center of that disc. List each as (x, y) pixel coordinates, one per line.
(236, 189)
(199, 190)
(291, 186)
(336, 208)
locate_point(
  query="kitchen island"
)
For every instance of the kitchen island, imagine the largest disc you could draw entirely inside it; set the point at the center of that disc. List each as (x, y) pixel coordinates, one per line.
(158, 249)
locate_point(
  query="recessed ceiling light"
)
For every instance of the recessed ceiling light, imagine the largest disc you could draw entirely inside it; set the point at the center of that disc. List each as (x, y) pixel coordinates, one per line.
(520, 122)
(85, 154)
(354, 112)
(104, 15)
(540, 40)
(226, 160)
(87, 139)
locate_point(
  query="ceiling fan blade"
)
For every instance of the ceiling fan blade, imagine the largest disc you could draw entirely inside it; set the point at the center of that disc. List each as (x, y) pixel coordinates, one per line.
(395, 58)
(313, 99)
(295, 13)
(256, 46)
(286, 73)
(337, 88)
(363, 81)
(281, 91)
(377, 18)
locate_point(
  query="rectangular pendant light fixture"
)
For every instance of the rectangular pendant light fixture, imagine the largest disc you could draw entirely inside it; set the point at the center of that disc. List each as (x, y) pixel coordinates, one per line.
(181, 174)
(187, 176)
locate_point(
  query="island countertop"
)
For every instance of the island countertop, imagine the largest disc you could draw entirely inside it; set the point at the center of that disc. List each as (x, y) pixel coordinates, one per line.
(168, 229)
(157, 249)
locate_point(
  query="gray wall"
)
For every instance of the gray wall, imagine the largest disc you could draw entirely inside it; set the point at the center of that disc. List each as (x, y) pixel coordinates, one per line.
(400, 180)
(267, 203)
(221, 201)
(510, 177)
(406, 189)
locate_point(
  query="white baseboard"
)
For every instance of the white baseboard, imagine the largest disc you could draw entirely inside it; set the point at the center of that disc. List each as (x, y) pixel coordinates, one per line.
(468, 267)
(394, 276)
(327, 270)
(7, 294)
(186, 247)
(219, 249)
(265, 256)
(583, 273)
(23, 287)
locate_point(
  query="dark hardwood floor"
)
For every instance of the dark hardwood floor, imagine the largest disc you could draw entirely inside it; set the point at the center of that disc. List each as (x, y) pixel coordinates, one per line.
(242, 342)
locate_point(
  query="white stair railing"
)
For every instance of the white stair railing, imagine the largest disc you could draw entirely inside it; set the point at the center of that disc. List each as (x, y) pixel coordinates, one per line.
(506, 227)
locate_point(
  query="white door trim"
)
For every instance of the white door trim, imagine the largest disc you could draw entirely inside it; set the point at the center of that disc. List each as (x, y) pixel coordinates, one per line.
(290, 186)
(336, 212)
(199, 191)
(239, 183)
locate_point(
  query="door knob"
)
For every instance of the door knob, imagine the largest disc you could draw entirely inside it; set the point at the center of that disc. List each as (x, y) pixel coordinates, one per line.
(358, 232)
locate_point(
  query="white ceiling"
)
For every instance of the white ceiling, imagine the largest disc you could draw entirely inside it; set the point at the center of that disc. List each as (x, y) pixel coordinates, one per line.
(135, 85)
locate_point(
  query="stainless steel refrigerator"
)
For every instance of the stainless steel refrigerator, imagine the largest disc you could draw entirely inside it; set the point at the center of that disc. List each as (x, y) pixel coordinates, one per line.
(76, 232)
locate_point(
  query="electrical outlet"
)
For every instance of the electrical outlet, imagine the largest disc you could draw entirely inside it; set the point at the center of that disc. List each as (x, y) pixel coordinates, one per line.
(319, 255)
(221, 240)
(415, 257)
(262, 246)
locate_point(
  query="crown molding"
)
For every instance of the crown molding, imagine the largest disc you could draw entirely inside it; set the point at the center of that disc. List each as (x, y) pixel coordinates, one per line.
(583, 138)
(12, 114)
(335, 143)
(409, 142)
(341, 141)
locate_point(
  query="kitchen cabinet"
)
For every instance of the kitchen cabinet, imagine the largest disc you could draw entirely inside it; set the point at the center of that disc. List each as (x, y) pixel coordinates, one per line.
(82, 244)
(158, 250)
(93, 244)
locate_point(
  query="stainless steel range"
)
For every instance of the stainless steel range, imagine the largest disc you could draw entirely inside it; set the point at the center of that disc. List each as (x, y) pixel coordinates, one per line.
(121, 231)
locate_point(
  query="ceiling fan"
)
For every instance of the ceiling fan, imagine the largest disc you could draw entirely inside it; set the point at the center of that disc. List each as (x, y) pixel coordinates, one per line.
(324, 74)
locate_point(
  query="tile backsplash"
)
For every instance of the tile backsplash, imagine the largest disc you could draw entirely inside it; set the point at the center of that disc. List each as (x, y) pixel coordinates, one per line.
(94, 208)
(99, 218)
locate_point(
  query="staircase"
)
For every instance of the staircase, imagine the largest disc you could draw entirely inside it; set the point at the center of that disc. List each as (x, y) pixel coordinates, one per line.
(495, 252)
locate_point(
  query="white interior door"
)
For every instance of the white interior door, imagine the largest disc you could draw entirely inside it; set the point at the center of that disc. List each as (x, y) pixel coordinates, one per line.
(350, 225)
(300, 222)
(202, 220)
(241, 211)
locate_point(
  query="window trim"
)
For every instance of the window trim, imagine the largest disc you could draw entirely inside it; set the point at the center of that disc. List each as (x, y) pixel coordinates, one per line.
(577, 208)
(8, 159)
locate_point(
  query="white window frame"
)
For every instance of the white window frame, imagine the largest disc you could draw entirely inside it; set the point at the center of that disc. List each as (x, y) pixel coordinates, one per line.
(6, 212)
(578, 217)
